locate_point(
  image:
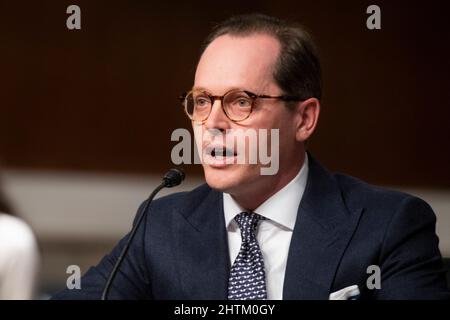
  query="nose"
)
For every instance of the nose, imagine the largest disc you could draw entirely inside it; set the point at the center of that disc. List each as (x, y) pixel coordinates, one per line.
(217, 119)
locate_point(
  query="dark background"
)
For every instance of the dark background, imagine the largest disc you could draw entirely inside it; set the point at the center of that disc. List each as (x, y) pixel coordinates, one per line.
(104, 98)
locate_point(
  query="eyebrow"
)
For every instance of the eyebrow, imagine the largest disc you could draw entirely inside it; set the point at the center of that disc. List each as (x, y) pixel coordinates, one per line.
(228, 90)
(200, 88)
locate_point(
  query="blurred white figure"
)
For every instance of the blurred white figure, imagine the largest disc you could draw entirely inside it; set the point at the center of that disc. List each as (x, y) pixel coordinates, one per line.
(19, 258)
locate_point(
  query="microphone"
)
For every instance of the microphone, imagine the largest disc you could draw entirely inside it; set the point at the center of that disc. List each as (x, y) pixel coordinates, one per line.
(172, 178)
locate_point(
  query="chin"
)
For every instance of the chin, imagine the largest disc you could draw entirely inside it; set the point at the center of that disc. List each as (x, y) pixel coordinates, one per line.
(220, 179)
(227, 179)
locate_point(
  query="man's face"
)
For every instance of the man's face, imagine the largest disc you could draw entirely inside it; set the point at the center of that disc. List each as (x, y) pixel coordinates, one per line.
(245, 63)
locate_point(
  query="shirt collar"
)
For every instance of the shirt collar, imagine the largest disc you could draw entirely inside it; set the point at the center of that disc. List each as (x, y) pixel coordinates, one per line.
(281, 208)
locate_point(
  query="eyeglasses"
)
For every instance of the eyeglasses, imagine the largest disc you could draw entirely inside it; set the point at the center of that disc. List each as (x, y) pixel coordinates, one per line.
(236, 104)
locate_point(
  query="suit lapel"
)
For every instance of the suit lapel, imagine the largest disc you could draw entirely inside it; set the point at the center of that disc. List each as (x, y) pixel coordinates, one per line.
(202, 249)
(322, 232)
(323, 229)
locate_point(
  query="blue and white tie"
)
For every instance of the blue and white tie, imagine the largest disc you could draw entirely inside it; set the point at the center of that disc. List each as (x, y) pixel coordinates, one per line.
(248, 279)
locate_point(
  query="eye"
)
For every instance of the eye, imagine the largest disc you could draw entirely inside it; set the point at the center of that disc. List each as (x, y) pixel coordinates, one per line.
(243, 102)
(201, 102)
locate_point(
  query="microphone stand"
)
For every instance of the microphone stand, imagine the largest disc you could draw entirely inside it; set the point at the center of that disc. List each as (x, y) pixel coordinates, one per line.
(172, 178)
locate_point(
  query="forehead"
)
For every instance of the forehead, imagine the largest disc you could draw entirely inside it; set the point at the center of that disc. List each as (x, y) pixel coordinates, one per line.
(237, 62)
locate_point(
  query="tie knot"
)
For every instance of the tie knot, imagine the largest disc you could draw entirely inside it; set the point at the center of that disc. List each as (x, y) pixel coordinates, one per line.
(247, 222)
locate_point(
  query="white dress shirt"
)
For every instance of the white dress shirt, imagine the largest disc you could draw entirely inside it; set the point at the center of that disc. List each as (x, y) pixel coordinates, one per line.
(274, 234)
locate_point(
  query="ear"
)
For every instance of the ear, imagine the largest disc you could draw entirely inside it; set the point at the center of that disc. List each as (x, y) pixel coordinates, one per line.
(307, 116)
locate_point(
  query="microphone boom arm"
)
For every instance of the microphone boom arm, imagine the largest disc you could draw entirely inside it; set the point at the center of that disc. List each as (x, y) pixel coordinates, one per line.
(172, 178)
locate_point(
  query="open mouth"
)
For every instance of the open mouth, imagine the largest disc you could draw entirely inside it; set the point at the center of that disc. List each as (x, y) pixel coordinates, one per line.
(220, 152)
(216, 155)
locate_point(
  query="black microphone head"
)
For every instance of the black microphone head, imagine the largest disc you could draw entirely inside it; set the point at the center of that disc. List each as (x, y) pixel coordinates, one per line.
(173, 177)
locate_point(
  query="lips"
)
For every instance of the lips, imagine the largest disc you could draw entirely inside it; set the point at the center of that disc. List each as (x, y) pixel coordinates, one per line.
(219, 151)
(219, 155)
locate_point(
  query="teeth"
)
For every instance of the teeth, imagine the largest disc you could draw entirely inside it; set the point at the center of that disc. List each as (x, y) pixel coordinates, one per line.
(220, 152)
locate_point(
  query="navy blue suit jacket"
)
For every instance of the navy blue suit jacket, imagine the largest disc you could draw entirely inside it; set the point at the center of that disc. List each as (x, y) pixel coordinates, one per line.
(344, 225)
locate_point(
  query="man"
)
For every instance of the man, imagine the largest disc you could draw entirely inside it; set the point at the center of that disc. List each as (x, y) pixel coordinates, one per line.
(302, 233)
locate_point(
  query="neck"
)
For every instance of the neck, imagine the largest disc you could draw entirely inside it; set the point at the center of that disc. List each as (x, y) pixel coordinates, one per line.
(258, 192)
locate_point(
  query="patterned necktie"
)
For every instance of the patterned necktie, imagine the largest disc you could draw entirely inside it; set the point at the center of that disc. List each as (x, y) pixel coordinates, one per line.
(248, 279)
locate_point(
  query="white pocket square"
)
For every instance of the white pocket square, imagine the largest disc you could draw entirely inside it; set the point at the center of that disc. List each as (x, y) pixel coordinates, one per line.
(348, 293)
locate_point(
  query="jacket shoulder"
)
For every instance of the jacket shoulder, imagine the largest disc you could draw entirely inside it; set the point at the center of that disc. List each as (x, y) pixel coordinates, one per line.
(179, 201)
(357, 193)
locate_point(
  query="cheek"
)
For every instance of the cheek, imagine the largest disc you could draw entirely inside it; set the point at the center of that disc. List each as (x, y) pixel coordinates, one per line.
(283, 121)
(287, 124)
(287, 132)
(198, 134)
(278, 115)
